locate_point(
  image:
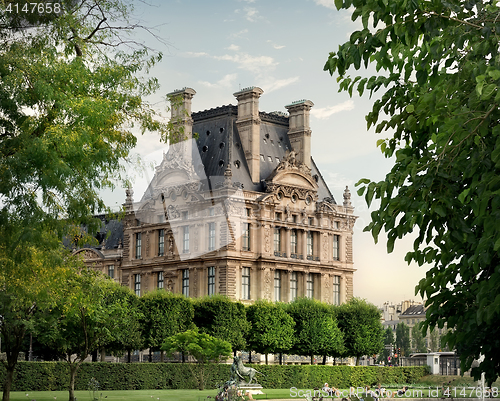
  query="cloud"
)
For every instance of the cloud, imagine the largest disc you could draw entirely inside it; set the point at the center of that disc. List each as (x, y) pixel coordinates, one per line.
(196, 54)
(233, 47)
(277, 47)
(238, 34)
(250, 63)
(225, 82)
(251, 13)
(326, 112)
(280, 83)
(326, 3)
(247, 1)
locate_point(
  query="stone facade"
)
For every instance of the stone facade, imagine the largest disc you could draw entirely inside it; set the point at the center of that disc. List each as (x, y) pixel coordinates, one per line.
(237, 207)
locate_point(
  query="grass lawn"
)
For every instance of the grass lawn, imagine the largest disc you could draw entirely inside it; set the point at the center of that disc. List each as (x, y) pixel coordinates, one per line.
(459, 386)
(137, 395)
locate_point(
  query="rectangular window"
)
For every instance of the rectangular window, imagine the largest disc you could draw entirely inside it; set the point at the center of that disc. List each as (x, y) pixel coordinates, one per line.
(245, 283)
(277, 239)
(211, 280)
(185, 239)
(293, 242)
(336, 290)
(278, 216)
(310, 243)
(336, 225)
(211, 236)
(138, 247)
(161, 242)
(185, 282)
(336, 248)
(245, 237)
(137, 284)
(310, 286)
(293, 286)
(111, 271)
(159, 280)
(277, 285)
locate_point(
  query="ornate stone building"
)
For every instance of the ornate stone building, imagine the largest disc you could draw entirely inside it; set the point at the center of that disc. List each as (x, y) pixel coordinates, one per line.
(237, 208)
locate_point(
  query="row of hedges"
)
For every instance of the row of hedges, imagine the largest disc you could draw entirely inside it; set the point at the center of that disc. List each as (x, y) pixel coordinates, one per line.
(46, 376)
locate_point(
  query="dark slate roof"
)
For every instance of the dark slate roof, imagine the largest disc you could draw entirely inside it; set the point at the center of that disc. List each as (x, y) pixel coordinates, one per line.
(415, 310)
(111, 231)
(219, 143)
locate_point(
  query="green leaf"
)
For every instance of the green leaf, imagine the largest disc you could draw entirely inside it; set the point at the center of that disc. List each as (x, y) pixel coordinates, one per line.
(339, 4)
(410, 108)
(488, 91)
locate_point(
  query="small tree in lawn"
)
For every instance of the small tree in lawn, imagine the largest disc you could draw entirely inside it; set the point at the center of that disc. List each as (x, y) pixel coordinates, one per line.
(89, 315)
(202, 347)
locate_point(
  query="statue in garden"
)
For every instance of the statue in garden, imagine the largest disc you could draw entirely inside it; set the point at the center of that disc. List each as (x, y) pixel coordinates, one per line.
(238, 371)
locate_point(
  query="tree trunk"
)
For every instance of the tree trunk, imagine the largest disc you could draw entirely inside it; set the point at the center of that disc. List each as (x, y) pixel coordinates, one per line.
(357, 361)
(312, 359)
(281, 358)
(7, 385)
(249, 356)
(267, 363)
(150, 356)
(73, 368)
(94, 356)
(103, 354)
(324, 360)
(162, 356)
(129, 356)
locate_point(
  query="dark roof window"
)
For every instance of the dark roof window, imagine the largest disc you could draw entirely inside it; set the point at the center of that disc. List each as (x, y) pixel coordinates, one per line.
(221, 163)
(221, 130)
(221, 145)
(208, 132)
(205, 148)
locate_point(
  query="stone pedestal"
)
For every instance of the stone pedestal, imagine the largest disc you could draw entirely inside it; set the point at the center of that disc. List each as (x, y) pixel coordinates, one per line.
(253, 388)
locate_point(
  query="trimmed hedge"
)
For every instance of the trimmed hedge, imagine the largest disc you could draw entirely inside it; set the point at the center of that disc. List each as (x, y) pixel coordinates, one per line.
(46, 376)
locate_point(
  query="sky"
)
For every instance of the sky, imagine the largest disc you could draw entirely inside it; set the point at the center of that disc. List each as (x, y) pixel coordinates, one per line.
(219, 47)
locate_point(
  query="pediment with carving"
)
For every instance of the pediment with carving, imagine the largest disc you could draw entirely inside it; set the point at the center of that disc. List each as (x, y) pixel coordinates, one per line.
(89, 253)
(291, 177)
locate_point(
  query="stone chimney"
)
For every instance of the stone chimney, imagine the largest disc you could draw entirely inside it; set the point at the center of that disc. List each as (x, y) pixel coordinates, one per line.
(248, 124)
(180, 110)
(299, 130)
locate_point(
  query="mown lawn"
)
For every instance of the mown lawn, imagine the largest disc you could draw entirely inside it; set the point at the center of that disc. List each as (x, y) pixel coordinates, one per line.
(425, 388)
(136, 395)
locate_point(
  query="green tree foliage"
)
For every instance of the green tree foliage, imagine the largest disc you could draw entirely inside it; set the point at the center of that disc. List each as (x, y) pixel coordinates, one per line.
(403, 343)
(27, 286)
(386, 351)
(222, 318)
(165, 314)
(201, 346)
(434, 341)
(131, 336)
(91, 313)
(316, 330)
(417, 339)
(359, 321)
(68, 99)
(272, 328)
(439, 71)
